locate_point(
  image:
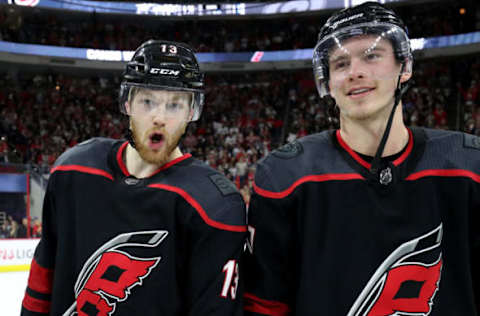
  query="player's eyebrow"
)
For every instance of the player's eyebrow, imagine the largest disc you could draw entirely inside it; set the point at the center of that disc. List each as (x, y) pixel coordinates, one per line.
(376, 48)
(145, 93)
(180, 97)
(344, 56)
(338, 58)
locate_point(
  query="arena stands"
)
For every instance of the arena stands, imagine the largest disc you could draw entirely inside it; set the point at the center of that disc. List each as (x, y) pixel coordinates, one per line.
(23, 25)
(246, 115)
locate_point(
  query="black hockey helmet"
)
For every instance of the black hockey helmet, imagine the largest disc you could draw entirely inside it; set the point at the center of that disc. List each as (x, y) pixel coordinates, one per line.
(369, 18)
(164, 65)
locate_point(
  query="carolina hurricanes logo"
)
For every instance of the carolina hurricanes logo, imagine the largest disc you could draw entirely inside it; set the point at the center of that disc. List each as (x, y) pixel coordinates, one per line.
(406, 282)
(109, 275)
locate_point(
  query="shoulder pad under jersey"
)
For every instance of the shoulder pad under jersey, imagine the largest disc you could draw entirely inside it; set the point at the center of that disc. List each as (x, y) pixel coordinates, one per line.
(215, 194)
(450, 150)
(311, 155)
(91, 153)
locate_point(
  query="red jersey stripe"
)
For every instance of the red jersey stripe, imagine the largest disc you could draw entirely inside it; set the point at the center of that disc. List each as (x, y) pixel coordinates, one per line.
(260, 306)
(310, 178)
(367, 165)
(124, 169)
(444, 173)
(407, 151)
(36, 305)
(173, 162)
(351, 151)
(199, 209)
(40, 279)
(120, 159)
(83, 169)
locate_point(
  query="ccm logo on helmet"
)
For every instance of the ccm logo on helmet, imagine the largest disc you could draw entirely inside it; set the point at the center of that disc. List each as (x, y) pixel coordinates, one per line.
(163, 71)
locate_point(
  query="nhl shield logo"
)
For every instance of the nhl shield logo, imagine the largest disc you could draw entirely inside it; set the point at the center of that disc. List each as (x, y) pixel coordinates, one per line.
(386, 176)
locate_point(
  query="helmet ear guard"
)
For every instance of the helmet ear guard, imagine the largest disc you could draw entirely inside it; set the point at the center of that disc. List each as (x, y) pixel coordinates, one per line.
(164, 65)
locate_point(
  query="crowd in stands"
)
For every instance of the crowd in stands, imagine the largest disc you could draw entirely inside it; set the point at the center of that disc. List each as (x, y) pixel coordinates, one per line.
(10, 228)
(106, 32)
(246, 115)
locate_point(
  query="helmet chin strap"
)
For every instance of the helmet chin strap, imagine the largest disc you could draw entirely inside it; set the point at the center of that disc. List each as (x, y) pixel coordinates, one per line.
(399, 91)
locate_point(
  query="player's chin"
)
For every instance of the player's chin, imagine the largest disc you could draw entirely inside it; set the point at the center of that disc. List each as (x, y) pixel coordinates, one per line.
(155, 157)
(359, 114)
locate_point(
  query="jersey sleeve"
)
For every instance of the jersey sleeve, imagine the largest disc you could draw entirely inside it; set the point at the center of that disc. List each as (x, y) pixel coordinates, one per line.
(269, 265)
(214, 268)
(37, 298)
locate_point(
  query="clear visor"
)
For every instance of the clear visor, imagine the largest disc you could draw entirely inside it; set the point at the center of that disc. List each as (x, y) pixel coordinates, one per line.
(171, 103)
(364, 49)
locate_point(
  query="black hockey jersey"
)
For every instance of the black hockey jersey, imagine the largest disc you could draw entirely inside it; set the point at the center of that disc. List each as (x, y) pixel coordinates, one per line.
(329, 238)
(114, 244)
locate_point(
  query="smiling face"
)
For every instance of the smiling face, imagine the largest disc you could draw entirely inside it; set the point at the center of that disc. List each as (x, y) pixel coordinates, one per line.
(158, 119)
(363, 76)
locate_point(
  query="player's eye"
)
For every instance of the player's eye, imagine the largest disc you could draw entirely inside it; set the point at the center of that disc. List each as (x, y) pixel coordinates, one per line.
(148, 104)
(372, 56)
(174, 106)
(340, 64)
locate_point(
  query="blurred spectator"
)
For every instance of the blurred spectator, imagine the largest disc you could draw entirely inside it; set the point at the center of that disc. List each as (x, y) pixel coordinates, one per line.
(440, 115)
(37, 228)
(4, 231)
(12, 229)
(22, 228)
(246, 115)
(3, 149)
(241, 168)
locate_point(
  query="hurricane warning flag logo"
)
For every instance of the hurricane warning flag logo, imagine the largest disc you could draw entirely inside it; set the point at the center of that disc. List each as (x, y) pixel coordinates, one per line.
(110, 274)
(406, 282)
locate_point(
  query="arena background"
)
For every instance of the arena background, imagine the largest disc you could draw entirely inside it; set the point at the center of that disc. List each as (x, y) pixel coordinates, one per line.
(60, 66)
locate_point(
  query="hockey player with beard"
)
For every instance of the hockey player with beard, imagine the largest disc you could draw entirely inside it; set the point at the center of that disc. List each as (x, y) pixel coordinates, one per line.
(375, 218)
(137, 227)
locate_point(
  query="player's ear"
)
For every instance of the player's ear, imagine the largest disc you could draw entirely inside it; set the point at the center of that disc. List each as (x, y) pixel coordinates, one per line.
(127, 107)
(191, 110)
(407, 71)
(405, 77)
(190, 114)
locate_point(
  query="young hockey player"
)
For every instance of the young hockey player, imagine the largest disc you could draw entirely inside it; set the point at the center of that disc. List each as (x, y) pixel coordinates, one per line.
(375, 218)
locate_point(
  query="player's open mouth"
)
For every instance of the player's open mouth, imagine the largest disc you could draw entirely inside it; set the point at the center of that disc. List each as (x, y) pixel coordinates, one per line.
(359, 92)
(156, 140)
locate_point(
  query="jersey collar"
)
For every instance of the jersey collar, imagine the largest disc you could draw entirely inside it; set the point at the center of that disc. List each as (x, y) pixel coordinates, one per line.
(366, 164)
(123, 167)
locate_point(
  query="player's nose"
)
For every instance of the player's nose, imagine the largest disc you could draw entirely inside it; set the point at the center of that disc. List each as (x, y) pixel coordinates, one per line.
(356, 69)
(159, 115)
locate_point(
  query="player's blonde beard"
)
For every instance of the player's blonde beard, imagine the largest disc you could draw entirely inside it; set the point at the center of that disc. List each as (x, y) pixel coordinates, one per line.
(156, 157)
